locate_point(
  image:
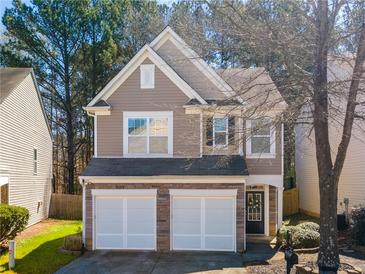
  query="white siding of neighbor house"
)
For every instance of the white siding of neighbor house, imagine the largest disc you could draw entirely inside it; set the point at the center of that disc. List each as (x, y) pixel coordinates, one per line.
(23, 127)
(352, 180)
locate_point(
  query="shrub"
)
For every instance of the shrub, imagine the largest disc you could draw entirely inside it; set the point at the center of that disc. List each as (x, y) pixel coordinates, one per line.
(282, 232)
(13, 220)
(309, 226)
(358, 227)
(305, 238)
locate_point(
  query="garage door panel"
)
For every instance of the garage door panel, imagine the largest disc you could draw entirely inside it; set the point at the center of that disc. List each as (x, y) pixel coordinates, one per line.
(187, 228)
(219, 203)
(125, 223)
(218, 243)
(203, 223)
(140, 227)
(109, 241)
(109, 215)
(186, 203)
(187, 242)
(141, 242)
(219, 229)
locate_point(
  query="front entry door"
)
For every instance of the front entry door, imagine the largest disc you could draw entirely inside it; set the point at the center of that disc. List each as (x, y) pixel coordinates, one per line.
(255, 212)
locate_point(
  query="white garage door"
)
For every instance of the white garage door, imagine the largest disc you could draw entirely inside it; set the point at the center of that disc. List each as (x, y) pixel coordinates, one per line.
(125, 223)
(204, 223)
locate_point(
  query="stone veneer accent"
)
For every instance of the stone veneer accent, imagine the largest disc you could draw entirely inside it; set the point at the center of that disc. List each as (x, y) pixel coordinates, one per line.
(163, 208)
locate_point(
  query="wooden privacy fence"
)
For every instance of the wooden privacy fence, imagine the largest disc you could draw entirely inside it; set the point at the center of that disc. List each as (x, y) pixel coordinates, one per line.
(291, 201)
(65, 206)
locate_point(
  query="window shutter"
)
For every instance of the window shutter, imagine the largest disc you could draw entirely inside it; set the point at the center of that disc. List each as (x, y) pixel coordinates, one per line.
(231, 130)
(209, 131)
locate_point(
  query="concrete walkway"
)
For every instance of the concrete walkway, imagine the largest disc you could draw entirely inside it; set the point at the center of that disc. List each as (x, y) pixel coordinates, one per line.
(167, 263)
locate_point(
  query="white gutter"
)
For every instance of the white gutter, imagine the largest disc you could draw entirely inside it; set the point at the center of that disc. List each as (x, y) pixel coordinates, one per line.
(82, 183)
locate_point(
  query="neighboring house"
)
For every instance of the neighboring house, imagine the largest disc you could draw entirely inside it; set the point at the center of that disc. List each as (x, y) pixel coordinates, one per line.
(25, 144)
(352, 183)
(170, 170)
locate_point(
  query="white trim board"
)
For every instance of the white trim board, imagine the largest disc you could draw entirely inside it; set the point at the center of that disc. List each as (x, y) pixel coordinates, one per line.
(273, 180)
(124, 192)
(204, 192)
(146, 52)
(240, 179)
(209, 72)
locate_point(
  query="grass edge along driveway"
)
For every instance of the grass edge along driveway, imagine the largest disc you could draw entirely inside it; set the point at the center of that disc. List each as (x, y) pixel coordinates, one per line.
(37, 247)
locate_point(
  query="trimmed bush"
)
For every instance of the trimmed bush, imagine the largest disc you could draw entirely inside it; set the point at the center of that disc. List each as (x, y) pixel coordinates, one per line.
(309, 226)
(305, 238)
(358, 226)
(282, 232)
(13, 220)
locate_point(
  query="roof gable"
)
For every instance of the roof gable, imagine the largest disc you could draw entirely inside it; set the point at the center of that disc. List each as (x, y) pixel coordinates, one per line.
(145, 52)
(169, 35)
(11, 78)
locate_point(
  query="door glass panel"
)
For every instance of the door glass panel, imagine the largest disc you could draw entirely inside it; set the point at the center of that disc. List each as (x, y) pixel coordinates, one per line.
(254, 207)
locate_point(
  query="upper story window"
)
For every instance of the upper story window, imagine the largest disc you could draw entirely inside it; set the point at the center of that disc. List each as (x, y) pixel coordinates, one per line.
(147, 76)
(220, 131)
(147, 134)
(35, 161)
(261, 138)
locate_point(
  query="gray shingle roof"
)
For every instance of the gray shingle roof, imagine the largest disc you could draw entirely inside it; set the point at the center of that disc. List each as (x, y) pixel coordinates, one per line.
(207, 165)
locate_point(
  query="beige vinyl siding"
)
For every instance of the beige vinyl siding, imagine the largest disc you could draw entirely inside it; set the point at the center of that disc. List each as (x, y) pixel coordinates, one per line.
(188, 71)
(166, 96)
(23, 127)
(351, 184)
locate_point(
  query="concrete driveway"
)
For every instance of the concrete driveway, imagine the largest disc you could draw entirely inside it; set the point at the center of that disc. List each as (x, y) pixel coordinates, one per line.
(167, 263)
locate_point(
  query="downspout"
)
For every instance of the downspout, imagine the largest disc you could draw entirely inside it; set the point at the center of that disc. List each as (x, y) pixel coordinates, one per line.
(83, 184)
(244, 218)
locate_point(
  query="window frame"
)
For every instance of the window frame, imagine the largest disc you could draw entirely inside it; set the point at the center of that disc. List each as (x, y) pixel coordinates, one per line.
(148, 115)
(35, 160)
(272, 153)
(226, 131)
(144, 68)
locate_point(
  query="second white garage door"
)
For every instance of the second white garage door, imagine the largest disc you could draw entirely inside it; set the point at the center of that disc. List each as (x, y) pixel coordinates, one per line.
(125, 222)
(203, 223)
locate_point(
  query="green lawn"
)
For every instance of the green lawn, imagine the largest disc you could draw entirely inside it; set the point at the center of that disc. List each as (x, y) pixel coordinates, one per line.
(298, 218)
(37, 250)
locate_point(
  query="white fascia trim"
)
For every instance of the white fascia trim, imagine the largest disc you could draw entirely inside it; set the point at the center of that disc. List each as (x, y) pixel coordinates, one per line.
(166, 179)
(4, 180)
(203, 192)
(94, 111)
(124, 192)
(267, 210)
(146, 52)
(169, 34)
(273, 180)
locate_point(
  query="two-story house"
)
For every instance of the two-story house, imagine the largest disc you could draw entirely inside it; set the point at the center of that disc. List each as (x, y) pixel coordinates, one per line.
(173, 168)
(25, 144)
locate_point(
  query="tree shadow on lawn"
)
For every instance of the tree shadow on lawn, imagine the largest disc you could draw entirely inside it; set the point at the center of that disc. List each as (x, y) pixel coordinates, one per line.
(46, 258)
